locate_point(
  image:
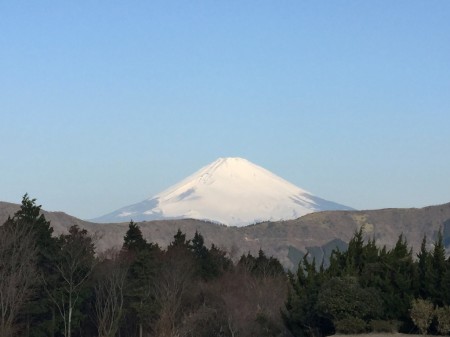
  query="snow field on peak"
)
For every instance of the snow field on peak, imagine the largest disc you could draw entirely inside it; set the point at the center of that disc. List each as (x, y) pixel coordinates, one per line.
(231, 191)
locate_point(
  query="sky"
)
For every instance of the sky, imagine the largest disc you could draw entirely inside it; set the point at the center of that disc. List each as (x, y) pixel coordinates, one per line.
(106, 103)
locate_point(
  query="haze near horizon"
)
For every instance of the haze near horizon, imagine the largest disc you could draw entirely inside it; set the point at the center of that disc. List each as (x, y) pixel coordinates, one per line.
(104, 105)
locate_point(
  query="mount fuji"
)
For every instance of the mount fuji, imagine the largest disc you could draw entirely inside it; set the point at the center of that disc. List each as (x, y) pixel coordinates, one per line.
(230, 191)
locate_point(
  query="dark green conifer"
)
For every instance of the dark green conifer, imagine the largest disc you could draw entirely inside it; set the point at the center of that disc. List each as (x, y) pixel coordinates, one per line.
(398, 289)
(300, 314)
(354, 257)
(438, 265)
(206, 268)
(179, 240)
(139, 295)
(133, 240)
(424, 272)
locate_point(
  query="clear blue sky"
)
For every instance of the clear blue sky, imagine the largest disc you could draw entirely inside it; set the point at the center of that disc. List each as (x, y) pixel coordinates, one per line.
(106, 103)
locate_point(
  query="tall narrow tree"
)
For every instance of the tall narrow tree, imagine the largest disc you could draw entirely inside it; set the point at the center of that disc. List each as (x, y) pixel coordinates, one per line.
(424, 271)
(139, 294)
(109, 293)
(39, 316)
(439, 269)
(74, 266)
(17, 273)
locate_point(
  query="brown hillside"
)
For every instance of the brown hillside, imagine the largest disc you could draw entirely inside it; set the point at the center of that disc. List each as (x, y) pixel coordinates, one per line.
(286, 240)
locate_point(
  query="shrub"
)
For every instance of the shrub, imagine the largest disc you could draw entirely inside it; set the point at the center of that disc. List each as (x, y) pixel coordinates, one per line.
(351, 326)
(384, 326)
(266, 326)
(341, 298)
(422, 313)
(443, 319)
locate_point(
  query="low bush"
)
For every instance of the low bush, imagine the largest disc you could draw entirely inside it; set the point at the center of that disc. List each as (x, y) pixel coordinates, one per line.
(384, 326)
(351, 326)
(443, 320)
(422, 313)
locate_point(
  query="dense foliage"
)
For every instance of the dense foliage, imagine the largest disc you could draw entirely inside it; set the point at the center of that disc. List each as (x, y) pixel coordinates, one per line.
(57, 286)
(368, 288)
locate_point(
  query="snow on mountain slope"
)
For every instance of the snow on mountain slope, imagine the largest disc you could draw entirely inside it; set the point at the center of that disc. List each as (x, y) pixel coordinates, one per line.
(231, 191)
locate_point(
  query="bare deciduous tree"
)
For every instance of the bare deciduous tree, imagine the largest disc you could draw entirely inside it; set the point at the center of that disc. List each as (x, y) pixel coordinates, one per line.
(74, 266)
(170, 290)
(247, 297)
(109, 293)
(17, 272)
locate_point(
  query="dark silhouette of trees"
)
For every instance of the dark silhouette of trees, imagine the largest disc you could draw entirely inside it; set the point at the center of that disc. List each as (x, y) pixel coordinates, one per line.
(38, 316)
(173, 290)
(144, 259)
(343, 298)
(109, 289)
(133, 240)
(300, 314)
(363, 284)
(74, 266)
(438, 269)
(58, 286)
(17, 272)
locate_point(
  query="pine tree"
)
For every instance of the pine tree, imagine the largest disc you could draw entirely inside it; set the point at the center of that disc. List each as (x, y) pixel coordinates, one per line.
(300, 314)
(337, 263)
(446, 284)
(268, 266)
(179, 240)
(206, 268)
(424, 272)
(398, 290)
(220, 259)
(198, 246)
(439, 270)
(133, 240)
(354, 263)
(141, 277)
(261, 266)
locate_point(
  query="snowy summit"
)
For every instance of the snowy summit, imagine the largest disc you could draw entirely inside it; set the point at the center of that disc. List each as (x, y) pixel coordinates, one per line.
(231, 191)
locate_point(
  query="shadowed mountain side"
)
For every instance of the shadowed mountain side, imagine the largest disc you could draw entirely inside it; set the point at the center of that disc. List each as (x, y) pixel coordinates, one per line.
(317, 233)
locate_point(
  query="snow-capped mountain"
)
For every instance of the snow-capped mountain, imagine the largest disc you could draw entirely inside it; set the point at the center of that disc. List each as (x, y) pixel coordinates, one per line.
(231, 191)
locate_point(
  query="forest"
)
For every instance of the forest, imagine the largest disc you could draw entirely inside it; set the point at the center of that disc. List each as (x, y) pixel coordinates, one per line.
(59, 286)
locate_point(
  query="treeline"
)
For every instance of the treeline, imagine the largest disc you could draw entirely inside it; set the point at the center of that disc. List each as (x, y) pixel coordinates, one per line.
(368, 288)
(57, 286)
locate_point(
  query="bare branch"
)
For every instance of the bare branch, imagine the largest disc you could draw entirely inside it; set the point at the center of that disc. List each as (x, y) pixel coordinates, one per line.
(17, 272)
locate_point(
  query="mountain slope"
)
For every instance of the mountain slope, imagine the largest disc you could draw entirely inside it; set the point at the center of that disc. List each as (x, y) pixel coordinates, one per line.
(316, 233)
(60, 221)
(230, 191)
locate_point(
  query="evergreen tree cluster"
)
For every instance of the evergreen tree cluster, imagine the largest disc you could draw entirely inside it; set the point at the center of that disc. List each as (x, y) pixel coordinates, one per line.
(368, 288)
(57, 286)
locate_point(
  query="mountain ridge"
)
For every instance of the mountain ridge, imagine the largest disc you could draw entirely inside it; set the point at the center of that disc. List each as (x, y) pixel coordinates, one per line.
(316, 233)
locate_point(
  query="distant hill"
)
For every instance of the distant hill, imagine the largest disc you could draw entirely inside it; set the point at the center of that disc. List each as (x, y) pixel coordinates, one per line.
(317, 233)
(60, 221)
